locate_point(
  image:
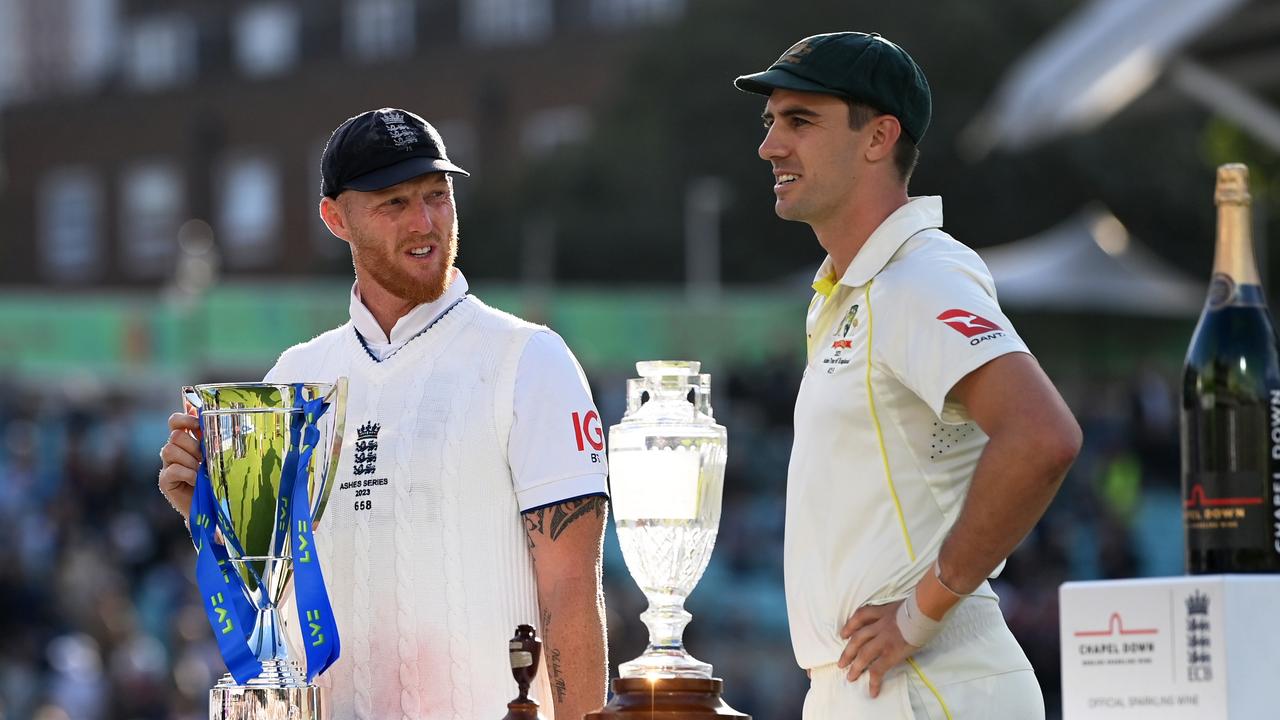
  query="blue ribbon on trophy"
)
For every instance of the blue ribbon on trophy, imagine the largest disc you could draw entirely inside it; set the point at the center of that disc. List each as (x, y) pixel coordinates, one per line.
(315, 614)
(222, 589)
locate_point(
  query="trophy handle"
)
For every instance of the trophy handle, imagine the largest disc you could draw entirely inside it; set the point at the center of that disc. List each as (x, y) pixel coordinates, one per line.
(191, 399)
(191, 404)
(337, 399)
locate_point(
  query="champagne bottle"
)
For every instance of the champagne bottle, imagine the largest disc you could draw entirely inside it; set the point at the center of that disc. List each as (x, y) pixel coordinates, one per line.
(1231, 406)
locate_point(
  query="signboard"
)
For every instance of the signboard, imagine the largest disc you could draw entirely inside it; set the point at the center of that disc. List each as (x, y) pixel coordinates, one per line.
(1170, 648)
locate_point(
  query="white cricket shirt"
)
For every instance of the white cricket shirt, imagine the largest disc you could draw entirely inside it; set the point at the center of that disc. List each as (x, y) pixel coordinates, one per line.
(556, 447)
(424, 552)
(882, 459)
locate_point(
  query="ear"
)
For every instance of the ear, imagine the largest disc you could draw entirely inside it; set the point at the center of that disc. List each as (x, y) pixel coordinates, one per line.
(885, 131)
(334, 215)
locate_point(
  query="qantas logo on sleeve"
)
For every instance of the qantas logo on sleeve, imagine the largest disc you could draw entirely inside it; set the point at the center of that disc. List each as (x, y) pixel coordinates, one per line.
(967, 323)
(975, 327)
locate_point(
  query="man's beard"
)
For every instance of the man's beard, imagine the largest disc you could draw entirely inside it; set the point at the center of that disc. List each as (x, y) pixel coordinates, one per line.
(373, 259)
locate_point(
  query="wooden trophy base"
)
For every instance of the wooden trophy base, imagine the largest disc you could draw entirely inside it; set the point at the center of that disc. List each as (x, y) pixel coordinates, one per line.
(517, 710)
(666, 699)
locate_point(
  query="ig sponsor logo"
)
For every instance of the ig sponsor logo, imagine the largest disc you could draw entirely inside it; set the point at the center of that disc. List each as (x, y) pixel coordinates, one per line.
(587, 431)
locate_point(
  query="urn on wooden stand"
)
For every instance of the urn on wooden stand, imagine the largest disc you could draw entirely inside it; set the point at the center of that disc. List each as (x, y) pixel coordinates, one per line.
(666, 462)
(525, 650)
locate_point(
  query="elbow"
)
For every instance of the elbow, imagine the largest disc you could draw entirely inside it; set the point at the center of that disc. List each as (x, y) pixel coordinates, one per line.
(1060, 447)
(1048, 446)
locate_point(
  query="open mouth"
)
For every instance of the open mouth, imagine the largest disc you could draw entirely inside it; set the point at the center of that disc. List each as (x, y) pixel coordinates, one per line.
(421, 252)
(785, 179)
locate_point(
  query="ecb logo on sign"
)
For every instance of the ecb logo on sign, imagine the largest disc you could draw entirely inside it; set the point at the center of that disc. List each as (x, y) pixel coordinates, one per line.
(1199, 659)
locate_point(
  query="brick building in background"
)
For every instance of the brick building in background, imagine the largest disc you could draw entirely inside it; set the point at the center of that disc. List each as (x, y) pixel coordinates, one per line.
(122, 120)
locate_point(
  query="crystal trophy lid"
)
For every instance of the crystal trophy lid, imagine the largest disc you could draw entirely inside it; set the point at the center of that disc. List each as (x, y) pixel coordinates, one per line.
(659, 368)
(682, 391)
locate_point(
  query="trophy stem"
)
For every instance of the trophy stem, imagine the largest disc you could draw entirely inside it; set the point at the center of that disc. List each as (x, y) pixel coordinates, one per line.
(268, 640)
(666, 619)
(272, 650)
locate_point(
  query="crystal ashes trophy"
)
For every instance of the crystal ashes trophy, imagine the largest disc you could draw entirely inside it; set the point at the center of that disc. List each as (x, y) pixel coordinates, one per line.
(270, 451)
(666, 461)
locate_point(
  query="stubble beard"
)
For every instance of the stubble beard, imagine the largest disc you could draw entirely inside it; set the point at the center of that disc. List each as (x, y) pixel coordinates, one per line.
(373, 260)
(797, 208)
(795, 211)
(811, 210)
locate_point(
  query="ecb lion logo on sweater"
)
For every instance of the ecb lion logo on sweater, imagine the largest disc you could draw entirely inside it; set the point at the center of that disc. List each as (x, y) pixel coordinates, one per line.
(367, 449)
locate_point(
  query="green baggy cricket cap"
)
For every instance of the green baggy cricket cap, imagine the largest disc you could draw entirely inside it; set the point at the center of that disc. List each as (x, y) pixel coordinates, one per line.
(860, 66)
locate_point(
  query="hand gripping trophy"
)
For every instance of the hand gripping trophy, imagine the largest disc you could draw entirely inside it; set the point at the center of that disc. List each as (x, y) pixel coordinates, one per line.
(666, 462)
(270, 451)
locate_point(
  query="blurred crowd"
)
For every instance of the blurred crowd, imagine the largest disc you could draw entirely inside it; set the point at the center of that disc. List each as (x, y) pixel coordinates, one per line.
(98, 608)
(99, 617)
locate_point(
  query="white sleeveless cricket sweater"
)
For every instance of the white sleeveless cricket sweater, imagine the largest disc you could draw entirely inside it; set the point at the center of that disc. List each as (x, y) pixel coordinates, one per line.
(422, 544)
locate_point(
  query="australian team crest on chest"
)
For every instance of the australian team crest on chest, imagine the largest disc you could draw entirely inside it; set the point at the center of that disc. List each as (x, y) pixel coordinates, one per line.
(840, 352)
(849, 323)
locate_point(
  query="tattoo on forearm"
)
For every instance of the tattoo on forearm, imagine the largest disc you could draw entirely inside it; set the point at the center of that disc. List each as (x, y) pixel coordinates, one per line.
(557, 677)
(553, 664)
(532, 524)
(564, 514)
(561, 516)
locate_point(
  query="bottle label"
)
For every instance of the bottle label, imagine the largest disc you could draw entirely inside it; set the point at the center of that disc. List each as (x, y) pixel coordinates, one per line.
(1273, 518)
(1225, 510)
(1222, 290)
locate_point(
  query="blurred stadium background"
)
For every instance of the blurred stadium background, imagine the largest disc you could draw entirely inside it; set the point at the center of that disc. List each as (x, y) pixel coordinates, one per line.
(158, 184)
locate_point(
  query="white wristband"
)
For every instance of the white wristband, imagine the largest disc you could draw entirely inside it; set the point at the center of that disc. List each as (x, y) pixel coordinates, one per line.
(916, 627)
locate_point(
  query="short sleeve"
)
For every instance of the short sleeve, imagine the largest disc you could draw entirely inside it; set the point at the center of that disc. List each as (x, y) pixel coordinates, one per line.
(286, 368)
(556, 446)
(936, 323)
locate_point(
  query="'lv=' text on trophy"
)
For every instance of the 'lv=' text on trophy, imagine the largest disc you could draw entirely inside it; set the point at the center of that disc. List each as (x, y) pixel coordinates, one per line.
(666, 462)
(270, 451)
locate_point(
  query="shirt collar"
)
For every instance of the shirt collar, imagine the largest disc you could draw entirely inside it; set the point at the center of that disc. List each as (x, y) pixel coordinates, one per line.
(825, 280)
(920, 213)
(409, 325)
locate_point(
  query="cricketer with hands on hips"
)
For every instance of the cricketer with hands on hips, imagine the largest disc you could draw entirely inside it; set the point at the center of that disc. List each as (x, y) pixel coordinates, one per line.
(888, 533)
(388, 193)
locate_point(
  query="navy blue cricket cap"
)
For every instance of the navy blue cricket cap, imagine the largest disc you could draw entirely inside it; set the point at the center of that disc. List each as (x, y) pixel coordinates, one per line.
(380, 148)
(860, 66)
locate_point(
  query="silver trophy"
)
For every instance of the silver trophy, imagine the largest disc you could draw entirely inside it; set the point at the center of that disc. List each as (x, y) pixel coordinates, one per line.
(246, 436)
(666, 463)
